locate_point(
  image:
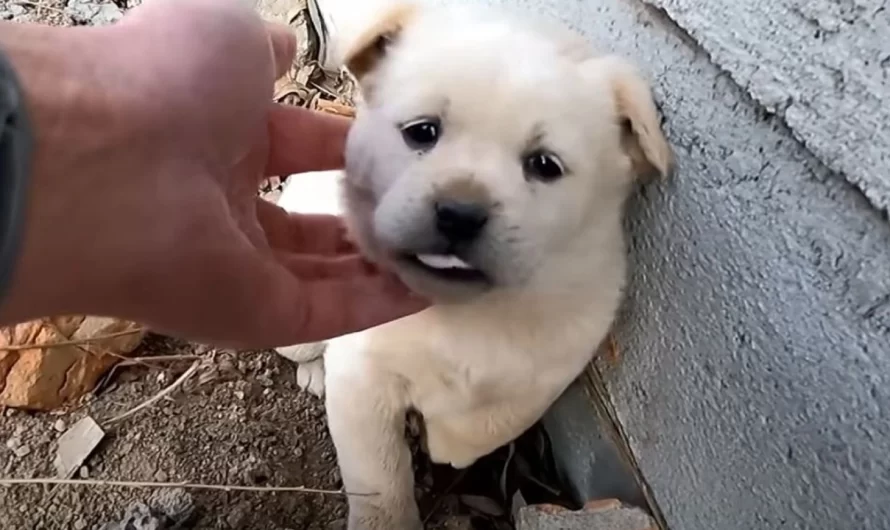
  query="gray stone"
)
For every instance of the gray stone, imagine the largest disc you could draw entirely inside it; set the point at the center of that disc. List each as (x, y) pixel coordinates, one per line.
(611, 517)
(167, 509)
(76, 445)
(93, 13)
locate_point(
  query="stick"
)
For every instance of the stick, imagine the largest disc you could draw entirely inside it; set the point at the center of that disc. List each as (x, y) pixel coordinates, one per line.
(39, 6)
(72, 342)
(160, 395)
(185, 485)
(130, 361)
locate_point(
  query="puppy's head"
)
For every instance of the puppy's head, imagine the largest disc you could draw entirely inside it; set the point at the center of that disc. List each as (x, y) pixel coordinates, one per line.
(488, 150)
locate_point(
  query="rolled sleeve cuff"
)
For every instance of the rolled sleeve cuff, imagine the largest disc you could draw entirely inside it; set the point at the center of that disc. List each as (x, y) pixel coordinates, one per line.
(16, 147)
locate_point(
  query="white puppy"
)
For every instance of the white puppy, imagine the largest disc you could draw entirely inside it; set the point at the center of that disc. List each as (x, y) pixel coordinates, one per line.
(488, 167)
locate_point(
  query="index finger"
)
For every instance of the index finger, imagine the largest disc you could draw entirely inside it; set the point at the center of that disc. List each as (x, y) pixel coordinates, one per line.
(303, 140)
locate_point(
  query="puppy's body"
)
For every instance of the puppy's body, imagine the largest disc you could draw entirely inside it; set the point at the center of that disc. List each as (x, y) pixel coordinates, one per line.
(489, 171)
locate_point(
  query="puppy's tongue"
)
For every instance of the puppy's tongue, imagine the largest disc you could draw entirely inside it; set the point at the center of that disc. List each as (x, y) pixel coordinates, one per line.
(439, 261)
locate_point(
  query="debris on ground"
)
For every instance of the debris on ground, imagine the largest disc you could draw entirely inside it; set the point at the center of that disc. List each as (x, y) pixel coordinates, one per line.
(607, 514)
(48, 362)
(92, 13)
(166, 510)
(485, 495)
(76, 445)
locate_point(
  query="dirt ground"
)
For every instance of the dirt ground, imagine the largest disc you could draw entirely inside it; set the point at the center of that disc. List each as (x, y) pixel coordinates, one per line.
(240, 419)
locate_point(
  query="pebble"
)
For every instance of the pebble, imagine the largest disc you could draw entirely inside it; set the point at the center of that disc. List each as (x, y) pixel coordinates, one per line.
(60, 425)
(22, 451)
(80, 524)
(239, 394)
(161, 476)
(83, 472)
(14, 443)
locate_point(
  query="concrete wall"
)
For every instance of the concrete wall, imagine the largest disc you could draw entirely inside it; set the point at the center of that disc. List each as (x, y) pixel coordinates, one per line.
(752, 391)
(756, 339)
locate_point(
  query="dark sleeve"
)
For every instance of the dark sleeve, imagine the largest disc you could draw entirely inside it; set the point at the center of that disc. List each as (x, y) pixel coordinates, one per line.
(16, 144)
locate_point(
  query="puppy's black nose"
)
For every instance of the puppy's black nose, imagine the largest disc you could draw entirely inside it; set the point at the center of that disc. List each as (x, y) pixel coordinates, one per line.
(460, 221)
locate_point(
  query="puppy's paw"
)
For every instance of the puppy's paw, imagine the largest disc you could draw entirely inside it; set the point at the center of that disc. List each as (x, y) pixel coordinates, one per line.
(444, 448)
(301, 353)
(310, 376)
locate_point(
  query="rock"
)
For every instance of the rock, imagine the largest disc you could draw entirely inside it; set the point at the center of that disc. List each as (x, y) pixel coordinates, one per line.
(76, 445)
(93, 13)
(175, 503)
(607, 514)
(44, 377)
(22, 451)
(168, 509)
(59, 425)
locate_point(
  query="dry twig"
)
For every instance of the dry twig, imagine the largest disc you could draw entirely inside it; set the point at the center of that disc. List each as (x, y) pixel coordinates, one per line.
(39, 6)
(72, 342)
(160, 395)
(186, 485)
(130, 361)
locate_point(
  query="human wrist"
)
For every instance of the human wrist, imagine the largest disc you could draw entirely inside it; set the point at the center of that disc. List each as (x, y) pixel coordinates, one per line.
(63, 92)
(73, 135)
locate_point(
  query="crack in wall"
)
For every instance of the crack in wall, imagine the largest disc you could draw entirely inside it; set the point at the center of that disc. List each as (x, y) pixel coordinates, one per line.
(598, 393)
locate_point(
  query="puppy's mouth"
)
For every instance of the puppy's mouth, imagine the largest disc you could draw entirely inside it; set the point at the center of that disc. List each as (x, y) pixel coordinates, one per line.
(445, 266)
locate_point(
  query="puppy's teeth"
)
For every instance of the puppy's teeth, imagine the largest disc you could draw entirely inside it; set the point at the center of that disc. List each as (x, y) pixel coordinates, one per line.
(438, 261)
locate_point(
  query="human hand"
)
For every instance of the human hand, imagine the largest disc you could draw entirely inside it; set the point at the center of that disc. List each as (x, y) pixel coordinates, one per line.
(153, 135)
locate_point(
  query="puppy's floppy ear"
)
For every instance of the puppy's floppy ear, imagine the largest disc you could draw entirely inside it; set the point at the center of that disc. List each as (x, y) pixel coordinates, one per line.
(641, 136)
(371, 46)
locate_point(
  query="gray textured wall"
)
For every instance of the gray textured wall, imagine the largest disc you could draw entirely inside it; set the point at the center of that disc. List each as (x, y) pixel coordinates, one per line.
(756, 338)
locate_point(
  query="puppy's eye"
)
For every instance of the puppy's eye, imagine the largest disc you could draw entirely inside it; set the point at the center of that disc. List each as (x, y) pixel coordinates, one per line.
(543, 166)
(422, 134)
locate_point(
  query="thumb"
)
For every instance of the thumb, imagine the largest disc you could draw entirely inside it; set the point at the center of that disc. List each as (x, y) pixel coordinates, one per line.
(287, 309)
(337, 306)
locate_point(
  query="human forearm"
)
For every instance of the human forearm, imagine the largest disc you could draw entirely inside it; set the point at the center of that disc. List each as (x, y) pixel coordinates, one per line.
(63, 101)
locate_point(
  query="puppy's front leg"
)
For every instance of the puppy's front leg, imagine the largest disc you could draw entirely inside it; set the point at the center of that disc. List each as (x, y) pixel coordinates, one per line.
(367, 424)
(462, 438)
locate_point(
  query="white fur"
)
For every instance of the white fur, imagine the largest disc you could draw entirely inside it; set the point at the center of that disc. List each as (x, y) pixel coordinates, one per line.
(484, 369)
